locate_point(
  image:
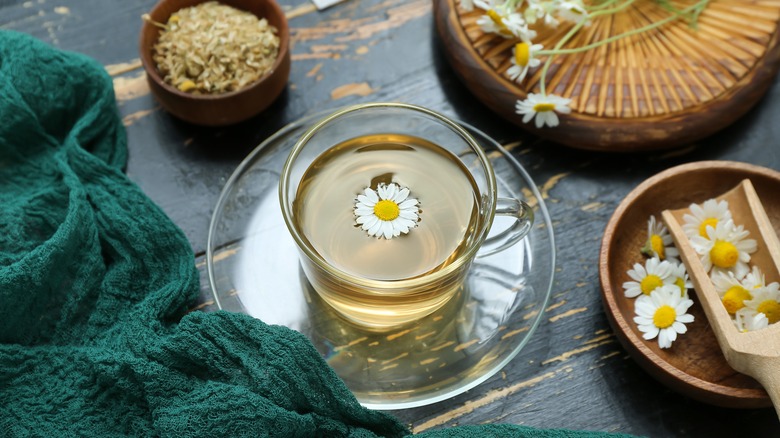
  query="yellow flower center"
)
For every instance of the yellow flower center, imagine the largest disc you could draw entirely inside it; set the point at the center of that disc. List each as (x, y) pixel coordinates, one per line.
(734, 298)
(771, 309)
(724, 254)
(650, 283)
(522, 54)
(543, 107)
(386, 210)
(496, 17)
(709, 222)
(657, 243)
(664, 317)
(681, 284)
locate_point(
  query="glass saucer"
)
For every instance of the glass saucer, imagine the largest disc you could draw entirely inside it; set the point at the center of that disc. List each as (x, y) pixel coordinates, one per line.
(253, 269)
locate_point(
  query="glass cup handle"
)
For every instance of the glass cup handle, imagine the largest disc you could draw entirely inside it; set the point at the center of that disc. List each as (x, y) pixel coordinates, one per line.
(524, 219)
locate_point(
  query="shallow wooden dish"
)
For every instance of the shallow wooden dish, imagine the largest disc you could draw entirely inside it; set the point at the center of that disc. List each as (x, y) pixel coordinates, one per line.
(658, 90)
(694, 366)
(225, 108)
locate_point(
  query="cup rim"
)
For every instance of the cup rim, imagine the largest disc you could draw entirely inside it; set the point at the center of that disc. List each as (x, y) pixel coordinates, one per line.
(463, 259)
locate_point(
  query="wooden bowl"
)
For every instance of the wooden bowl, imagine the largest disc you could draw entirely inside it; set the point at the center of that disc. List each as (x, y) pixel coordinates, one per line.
(656, 90)
(694, 365)
(225, 108)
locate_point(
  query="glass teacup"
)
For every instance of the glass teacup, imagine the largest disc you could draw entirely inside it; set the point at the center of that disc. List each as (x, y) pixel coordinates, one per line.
(389, 204)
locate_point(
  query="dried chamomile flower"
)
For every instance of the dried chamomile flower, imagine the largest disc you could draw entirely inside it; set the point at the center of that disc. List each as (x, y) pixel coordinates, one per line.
(213, 48)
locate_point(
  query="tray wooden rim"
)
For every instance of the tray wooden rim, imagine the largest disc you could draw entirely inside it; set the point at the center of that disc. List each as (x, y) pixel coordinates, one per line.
(612, 134)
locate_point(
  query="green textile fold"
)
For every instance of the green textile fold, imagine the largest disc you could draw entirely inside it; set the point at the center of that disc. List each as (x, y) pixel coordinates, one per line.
(94, 282)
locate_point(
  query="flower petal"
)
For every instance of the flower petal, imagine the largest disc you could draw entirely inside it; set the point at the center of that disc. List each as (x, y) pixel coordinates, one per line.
(365, 200)
(371, 195)
(401, 195)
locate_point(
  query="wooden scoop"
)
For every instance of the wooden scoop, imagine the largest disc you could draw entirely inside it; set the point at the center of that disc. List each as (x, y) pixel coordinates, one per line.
(755, 353)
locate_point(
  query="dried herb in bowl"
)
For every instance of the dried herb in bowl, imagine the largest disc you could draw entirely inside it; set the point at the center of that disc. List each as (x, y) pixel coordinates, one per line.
(213, 48)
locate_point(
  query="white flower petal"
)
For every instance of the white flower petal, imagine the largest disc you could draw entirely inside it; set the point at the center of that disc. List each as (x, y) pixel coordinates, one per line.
(401, 195)
(408, 204)
(371, 195)
(365, 200)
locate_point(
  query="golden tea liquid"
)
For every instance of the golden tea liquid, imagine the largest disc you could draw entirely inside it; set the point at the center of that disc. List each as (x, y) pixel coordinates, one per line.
(448, 214)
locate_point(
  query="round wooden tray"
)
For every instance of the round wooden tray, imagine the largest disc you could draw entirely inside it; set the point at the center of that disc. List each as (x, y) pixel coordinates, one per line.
(694, 365)
(656, 90)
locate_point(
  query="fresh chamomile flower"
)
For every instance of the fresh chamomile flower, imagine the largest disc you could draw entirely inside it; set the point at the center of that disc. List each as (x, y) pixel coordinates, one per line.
(523, 59)
(726, 248)
(504, 21)
(754, 279)
(544, 10)
(543, 108)
(731, 290)
(709, 214)
(679, 277)
(748, 320)
(574, 11)
(663, 314)
(659, 242)
(386, 212)
(765, 300)
(653, 275)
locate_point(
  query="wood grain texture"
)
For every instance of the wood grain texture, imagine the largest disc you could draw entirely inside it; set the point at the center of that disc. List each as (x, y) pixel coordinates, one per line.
(573, 357)
(694, 365)
(755, 353)
(658, 90)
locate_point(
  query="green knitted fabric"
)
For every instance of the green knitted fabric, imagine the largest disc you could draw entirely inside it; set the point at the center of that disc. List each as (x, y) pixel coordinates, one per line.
(94, 282)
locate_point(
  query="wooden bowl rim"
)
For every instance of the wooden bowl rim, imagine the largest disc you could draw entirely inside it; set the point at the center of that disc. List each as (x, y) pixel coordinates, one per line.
(151, 68)
(636, 346)
(743, 81)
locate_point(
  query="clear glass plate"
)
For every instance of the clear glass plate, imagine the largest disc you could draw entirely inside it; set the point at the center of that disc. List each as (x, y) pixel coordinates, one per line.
(253, 269)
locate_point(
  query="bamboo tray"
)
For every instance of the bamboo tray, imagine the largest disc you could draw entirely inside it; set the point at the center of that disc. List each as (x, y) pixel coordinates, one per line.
(657, 90)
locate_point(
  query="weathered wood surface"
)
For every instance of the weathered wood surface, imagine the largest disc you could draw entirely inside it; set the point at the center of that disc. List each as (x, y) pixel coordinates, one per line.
(573, 374)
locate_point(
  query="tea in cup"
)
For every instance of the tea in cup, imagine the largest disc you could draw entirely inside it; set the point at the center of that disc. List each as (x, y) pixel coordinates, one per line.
(389, 204)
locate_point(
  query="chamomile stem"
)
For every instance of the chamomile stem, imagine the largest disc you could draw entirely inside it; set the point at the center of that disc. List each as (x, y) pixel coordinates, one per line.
(602, 5)
(558, 51)
(626, 34)
(567, 37)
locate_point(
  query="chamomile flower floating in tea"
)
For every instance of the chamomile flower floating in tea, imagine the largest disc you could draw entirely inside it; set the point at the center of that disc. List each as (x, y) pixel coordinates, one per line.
(709, 214)
(543, 108)
(653, 275)
(386, 212)
(726, 248)
(523, 59)
(663, 314)
(659, 242)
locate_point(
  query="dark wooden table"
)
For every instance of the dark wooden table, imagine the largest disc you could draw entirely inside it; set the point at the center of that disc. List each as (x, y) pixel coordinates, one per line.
(574, 373)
